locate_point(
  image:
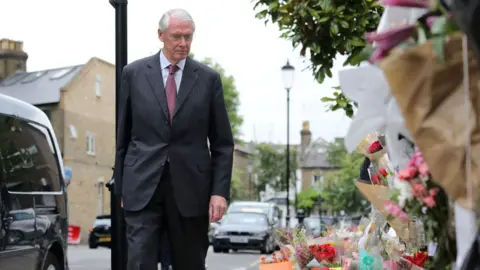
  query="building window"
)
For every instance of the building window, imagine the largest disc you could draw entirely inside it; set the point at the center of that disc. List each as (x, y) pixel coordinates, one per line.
(73, 131)
(98, 86)
(318, 181)
(90, 144)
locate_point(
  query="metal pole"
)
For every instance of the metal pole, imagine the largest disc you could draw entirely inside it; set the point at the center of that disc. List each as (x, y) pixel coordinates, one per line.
(118, 258)
(287, 219)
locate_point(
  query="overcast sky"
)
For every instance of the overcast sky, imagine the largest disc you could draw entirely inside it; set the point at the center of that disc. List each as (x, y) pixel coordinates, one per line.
(66, 32)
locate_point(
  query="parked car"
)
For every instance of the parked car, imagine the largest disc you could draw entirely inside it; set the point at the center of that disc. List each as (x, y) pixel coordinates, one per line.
(244, 230)
(211, 231)
(270, 209)
(100, 233)
(33, 198)
(315, 226)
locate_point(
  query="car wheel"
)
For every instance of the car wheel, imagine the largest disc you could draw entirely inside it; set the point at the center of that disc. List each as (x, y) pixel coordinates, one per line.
(226, 250)
(217, 250)
(268, 247)
(234, 250)
(51, 263)
(92, 245)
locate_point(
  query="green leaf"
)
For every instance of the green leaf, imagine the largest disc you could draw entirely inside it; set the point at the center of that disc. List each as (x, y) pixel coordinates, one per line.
(327, 99)
(438, 26)
(323, 19)
(357, 42)
(438, 45)
(422, 35)
(343, 24)
(333, 29)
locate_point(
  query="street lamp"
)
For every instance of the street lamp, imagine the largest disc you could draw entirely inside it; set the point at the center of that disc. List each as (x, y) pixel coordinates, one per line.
(250, 170)
(288, 72)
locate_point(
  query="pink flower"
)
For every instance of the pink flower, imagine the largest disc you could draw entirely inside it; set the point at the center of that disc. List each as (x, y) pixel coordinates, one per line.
(396, 211)
(423, 169)
(408, 3)
(417, 159)
(429, 201)
(407, 174)
(418, 190)
(391, 38)
(433, 192)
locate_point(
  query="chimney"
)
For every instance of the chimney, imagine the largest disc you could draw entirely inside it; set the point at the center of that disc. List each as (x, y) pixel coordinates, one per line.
(12, 58)
(305, 135)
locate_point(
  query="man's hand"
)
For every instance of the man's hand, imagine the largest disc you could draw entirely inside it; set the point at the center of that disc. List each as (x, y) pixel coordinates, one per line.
(121, 202)
(218, 205)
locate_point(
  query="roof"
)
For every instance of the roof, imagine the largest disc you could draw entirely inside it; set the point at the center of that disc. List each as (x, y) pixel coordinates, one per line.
(241, 149)
(315, 155)
(39, 87)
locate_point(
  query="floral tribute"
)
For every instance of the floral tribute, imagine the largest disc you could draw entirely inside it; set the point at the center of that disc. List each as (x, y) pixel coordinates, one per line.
(296, 242)
(419, 258)
(380, 177)
(416, 195)
(284, 255)
(326, 254)
(435, 26)
(375, 147)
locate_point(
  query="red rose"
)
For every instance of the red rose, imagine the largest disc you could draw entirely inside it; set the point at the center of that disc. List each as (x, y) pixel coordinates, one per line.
(375, 147)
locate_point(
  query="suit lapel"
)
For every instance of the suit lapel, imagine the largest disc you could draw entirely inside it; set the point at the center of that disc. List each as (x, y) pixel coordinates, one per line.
(189, 77)
(155, 78)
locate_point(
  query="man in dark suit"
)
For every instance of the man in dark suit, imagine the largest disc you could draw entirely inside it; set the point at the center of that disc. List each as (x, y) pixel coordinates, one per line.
(167, 175)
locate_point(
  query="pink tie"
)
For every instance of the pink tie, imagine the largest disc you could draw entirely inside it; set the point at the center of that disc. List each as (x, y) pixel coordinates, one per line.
(171, 89)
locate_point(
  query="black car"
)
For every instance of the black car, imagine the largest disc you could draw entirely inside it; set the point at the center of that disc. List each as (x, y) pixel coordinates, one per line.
(33, 197)
(100, 233)
(240, 230)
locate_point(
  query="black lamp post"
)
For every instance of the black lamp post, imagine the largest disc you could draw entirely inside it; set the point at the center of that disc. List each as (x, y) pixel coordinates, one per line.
(288, 72)
(118, 259)
(318, 204)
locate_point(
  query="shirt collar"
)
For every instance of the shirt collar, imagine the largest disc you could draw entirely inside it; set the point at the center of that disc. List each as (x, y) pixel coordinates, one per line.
(164, 63)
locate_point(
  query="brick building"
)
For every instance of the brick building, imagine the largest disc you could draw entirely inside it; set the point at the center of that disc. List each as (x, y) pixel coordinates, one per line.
(313, 163)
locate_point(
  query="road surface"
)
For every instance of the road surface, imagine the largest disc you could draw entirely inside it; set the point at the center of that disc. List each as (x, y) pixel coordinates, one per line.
(83, 258)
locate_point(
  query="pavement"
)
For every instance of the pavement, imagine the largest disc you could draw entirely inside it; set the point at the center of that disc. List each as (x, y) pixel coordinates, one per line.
(83, 258)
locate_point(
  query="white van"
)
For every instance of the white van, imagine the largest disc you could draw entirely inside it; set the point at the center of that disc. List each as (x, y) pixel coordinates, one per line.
(33, 197)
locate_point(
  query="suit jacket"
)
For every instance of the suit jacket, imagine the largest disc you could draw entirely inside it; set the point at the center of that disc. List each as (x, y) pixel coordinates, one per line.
(146, 140)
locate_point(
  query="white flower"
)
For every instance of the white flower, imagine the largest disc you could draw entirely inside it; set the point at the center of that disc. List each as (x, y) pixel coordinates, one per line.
(405, 191)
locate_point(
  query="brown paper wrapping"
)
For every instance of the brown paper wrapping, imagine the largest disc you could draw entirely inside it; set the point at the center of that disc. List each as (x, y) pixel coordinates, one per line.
(431, 97)
(378, 195)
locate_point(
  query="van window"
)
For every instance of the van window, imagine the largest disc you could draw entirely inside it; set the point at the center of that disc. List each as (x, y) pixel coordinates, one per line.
(28, 157)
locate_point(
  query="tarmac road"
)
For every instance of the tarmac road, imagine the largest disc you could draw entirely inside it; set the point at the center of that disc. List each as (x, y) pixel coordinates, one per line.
(83, 258)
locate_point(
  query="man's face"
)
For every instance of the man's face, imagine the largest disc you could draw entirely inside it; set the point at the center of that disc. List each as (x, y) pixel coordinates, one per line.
(177, 39)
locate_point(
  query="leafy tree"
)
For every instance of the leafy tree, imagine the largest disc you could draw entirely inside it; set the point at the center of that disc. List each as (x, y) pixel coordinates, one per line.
(269, 165)
(238, 190)
(307, 198)
(339, 192)
(232, 100)
(323, 29)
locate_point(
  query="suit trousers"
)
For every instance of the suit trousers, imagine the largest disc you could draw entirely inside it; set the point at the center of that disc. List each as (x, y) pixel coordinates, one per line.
(188, 235)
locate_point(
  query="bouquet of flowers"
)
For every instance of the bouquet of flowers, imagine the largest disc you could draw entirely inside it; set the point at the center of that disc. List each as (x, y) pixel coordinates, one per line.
(417, 196)
(296, 241)
(371, 147)
(327, 255)
(279, 260)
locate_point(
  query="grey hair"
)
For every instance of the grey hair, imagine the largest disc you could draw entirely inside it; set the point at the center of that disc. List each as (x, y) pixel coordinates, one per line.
(176, 13)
